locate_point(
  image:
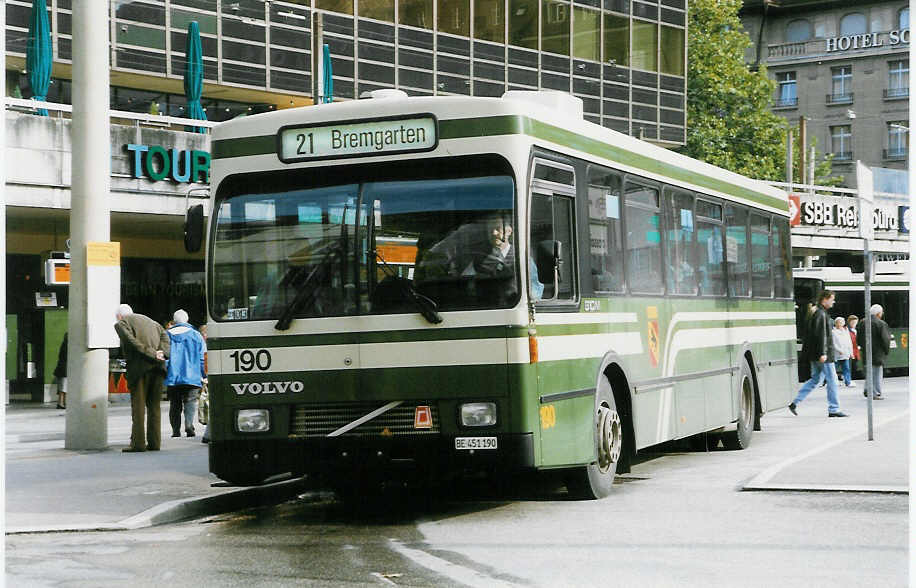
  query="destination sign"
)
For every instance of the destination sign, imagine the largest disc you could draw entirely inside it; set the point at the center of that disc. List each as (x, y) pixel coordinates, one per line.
(380, 137)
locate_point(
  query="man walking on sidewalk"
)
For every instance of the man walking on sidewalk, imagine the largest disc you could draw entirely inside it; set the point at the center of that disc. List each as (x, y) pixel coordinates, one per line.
(145, 347)
(880, 346)
(817, 347)
(185, 373)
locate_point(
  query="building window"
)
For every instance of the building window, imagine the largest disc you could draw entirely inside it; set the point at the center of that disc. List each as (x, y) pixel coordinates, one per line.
(617, 40)
(897, 139)
(853, 24)
(555, 27)
(454, 17)
(903, 18)
(788, 93)
(672, 51)
(842, 85)
(490, 20)
(898, 79)
(523, 24)
(416, 13)
(798, 31)
(586, 34)
(841, 142)
(644, 52)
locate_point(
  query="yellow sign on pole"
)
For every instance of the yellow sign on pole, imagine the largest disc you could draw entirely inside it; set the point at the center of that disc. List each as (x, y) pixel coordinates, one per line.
(106, 254)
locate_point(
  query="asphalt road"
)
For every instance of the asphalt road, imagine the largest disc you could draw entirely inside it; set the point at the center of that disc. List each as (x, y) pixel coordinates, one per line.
(679, 519)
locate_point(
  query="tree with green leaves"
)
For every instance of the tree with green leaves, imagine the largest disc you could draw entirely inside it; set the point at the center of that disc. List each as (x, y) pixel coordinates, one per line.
(729, 122)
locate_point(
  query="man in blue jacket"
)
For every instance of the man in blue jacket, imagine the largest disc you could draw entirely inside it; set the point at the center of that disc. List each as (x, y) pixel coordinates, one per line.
(185, 373)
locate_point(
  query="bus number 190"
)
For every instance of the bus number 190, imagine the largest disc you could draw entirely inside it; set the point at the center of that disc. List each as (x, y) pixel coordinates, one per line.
(247, 360)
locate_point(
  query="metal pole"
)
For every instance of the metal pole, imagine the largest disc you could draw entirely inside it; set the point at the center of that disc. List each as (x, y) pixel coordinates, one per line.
(3, 332)
(802, 146)
(869, 380)
(87, 400)
(317, 57)
(789, 157)
(811, 170)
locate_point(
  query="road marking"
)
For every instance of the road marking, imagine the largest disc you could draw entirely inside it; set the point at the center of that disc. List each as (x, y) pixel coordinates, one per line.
(448, 569)
(760, 481)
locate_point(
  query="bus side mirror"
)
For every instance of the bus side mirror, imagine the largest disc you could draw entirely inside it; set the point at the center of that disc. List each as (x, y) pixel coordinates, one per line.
(194, 228)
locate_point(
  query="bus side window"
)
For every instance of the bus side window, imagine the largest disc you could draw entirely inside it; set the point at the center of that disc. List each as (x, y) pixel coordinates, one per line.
(761, 277)
(682, 268)
(552, 221)
(605, 230)
(644, 239)
(782, 258)
(736, 254)
(709, 252)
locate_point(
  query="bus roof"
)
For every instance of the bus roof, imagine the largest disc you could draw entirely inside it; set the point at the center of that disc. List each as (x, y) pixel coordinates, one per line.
(885, 272)
(547, 118)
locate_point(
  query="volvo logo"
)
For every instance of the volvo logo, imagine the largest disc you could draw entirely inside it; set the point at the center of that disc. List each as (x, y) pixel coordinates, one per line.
(268, 387)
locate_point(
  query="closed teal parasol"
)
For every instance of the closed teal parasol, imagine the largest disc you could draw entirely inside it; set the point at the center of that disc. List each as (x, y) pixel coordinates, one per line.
(328, 80)
(194, 76)
(38, 53)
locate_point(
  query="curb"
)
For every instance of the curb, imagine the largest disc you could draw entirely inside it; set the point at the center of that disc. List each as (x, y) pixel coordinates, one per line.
(826, 488)
(189, 508)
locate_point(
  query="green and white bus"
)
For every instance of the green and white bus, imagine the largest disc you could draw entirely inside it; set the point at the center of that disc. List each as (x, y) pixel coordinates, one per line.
(890, 288)
(440, 284)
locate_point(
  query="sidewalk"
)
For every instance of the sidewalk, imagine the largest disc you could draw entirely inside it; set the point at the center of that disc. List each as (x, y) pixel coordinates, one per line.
(49, 488)
(846, 461)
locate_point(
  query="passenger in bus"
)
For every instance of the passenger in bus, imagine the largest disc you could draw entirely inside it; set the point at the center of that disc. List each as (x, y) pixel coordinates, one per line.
(817, 347)
(842, 344)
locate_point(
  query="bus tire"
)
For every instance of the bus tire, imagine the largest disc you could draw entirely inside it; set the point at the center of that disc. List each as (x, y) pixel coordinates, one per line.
(740, 438)
(595, 480)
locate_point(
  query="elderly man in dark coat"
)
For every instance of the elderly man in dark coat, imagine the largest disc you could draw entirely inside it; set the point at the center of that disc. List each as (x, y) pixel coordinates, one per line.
(145, 346)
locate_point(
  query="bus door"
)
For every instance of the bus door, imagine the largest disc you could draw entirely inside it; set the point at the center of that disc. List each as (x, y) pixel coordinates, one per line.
(565, 408)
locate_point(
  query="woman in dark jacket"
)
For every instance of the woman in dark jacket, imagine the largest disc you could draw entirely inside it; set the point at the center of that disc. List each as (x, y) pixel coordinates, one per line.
(60, 372)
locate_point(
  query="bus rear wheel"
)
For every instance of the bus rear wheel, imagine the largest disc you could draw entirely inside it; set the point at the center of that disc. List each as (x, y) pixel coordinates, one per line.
(596, 479)
(740, 438)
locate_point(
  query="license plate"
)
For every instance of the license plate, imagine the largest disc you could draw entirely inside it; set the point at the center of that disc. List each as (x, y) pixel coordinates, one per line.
(475, 442)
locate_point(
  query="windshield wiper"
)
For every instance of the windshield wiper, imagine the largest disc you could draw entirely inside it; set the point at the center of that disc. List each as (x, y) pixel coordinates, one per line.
(305, 295)
(427, 306)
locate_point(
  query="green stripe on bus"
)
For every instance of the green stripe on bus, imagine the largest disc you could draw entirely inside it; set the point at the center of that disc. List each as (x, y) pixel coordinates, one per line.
(454, 334)
(523, 125)
(244, 147)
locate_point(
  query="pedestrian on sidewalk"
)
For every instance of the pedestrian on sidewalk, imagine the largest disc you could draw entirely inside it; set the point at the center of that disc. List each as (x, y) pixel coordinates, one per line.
(145, 347)
(881, 345)
(186, 373)
(60, 372)
(852, 322)
(204, 391)
(817, 347)
(842, 345)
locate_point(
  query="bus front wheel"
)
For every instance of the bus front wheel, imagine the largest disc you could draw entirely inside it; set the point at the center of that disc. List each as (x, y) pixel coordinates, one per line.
(740, 438)
(596, 479)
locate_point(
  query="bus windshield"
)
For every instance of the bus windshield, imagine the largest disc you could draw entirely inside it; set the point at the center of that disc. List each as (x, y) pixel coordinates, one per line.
(365, 248)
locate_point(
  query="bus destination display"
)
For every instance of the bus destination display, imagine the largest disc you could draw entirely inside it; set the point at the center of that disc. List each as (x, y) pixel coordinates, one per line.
(356, 139)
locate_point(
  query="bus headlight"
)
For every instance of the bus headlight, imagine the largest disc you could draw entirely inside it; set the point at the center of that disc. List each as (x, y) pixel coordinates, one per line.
(478, 414)
(253, 420)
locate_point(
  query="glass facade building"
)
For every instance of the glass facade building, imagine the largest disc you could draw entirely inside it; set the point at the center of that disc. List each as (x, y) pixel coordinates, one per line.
(626, 59)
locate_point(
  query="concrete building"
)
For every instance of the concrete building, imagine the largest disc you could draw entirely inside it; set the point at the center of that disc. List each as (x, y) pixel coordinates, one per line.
(844, 66)
(626, 59)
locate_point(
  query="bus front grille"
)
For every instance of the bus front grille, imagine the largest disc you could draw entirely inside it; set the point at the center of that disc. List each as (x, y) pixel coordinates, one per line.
(319, 420)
